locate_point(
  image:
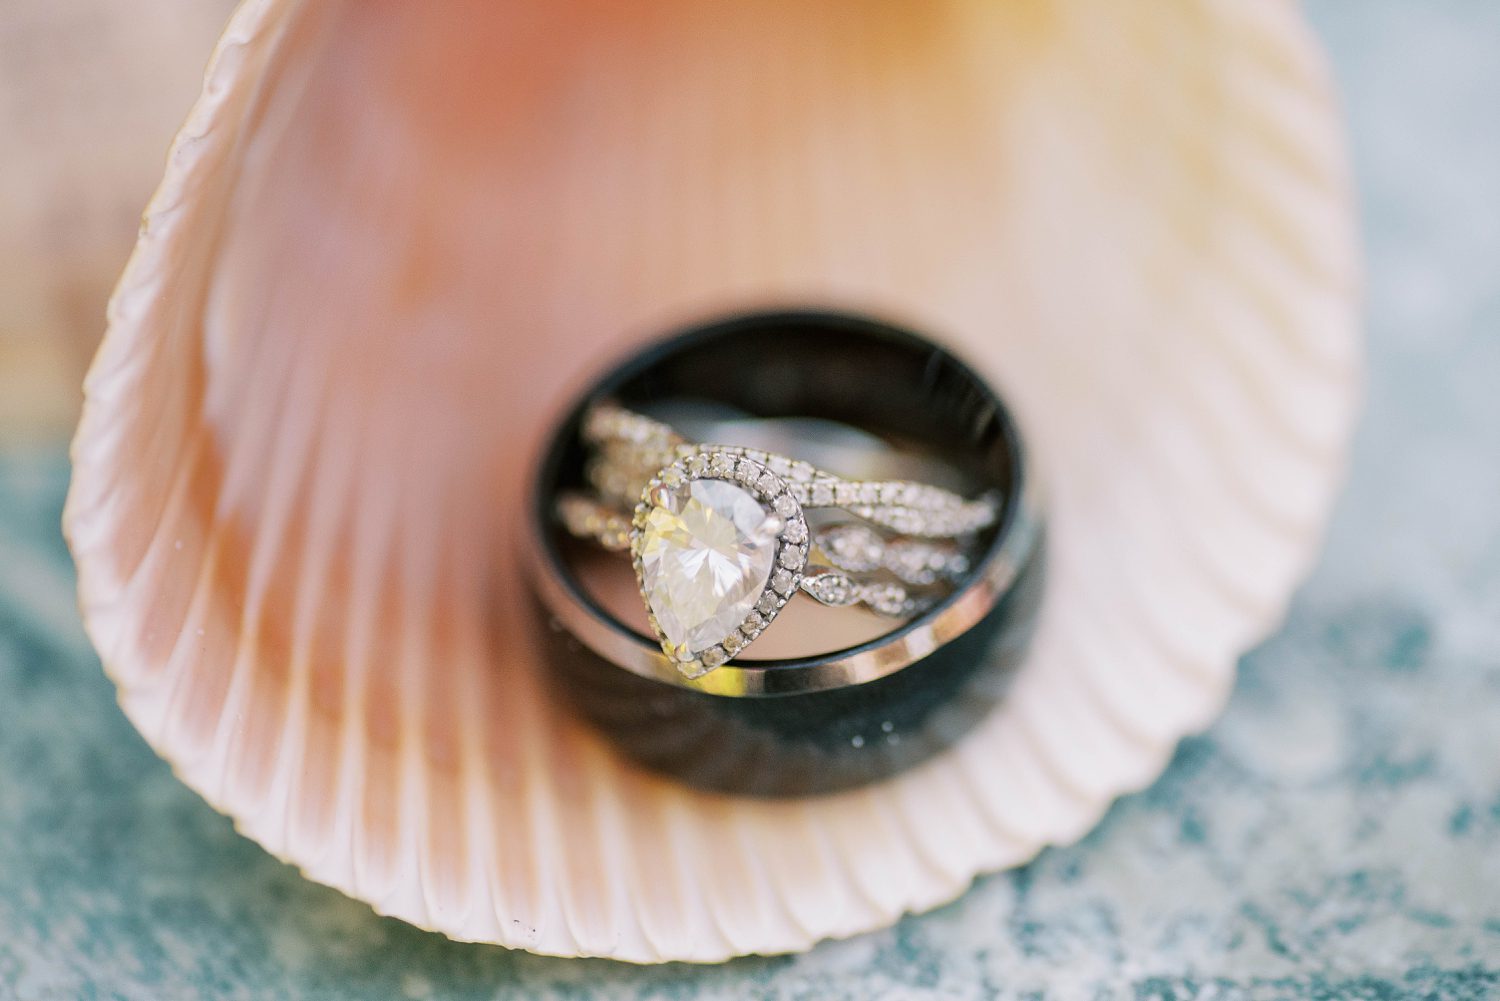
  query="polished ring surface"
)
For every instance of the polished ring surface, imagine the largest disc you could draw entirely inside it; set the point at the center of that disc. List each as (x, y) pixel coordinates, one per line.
(720, 538)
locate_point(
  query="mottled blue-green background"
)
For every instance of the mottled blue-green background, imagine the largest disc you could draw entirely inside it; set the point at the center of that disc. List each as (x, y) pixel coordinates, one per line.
(1335, 835)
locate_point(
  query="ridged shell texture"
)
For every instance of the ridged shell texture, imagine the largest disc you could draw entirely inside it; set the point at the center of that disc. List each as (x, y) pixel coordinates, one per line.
(393, 237)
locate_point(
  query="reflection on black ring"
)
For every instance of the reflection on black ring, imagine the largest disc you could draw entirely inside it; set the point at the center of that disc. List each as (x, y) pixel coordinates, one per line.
(811, 724)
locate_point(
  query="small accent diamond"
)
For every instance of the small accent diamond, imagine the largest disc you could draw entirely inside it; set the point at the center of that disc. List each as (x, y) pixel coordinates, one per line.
(852, 547)
(830, 588)
(887, 599)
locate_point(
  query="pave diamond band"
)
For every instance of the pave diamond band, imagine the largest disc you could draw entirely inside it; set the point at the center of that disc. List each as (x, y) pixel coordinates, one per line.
(631, 447)
(912, 562)
(720, 538)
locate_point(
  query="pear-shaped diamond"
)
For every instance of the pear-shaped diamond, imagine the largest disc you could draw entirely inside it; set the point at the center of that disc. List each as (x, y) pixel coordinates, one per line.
(707, 548)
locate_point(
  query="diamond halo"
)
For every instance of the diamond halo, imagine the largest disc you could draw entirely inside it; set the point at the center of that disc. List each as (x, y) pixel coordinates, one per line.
(666, 500)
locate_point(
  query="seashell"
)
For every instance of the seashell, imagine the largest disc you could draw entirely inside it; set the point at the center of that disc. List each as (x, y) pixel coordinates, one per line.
(391, 238)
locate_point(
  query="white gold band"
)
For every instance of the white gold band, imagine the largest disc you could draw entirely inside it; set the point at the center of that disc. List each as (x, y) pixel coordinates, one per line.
(631, 448)
(762, 541)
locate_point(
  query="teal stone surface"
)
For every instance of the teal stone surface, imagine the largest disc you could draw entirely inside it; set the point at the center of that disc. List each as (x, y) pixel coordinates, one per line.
(1336, 835)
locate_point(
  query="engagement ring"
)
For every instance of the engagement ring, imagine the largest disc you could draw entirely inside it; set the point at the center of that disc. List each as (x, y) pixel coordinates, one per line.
(721, 536)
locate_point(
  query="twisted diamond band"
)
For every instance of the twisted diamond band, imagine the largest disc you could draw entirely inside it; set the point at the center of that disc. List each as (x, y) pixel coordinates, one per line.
(720, 538)
(912, 563)
(631, 447)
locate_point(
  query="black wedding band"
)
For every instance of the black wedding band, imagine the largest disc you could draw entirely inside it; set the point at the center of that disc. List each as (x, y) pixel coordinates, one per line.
(843, 717)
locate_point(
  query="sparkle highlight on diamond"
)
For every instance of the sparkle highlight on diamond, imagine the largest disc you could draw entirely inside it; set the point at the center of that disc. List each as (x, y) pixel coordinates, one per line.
(705, 556)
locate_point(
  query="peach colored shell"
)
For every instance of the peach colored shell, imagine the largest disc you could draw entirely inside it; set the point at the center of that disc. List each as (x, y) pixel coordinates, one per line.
(391, 237)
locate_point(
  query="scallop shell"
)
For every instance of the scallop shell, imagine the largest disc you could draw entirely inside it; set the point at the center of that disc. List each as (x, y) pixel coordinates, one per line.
(391, 238)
